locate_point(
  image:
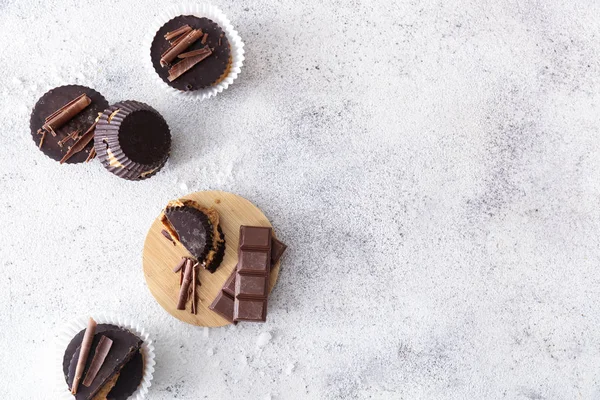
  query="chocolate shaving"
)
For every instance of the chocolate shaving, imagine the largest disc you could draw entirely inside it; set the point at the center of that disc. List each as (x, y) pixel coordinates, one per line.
(175, 49)
(174, 43)
(86, 346)
(185, 65)
(178, 32)
(185, 286)
(80, 143)
(180, 265)
(66, 113)
(99, 356)
(193, 53)
(91, 156)
(181, 273)
(204, 38)
(194, 278)
(70, 136)
(42, 139)
(166, 234)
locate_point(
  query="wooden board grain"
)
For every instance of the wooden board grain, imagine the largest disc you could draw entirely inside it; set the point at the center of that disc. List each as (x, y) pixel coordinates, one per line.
(160, 256)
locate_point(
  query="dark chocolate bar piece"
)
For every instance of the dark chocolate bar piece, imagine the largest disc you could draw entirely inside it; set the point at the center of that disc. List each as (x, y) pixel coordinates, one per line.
(277, 250)
(223, 303)
(255, 237)
(252, 286)
(252, 274)
(254, 262)
(250, 310)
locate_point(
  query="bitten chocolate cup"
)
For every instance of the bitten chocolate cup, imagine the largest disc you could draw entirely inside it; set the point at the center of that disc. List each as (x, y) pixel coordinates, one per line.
(134, 378)
(132, 140)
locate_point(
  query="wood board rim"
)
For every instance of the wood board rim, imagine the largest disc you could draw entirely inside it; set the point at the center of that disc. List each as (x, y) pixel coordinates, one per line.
(159, 253)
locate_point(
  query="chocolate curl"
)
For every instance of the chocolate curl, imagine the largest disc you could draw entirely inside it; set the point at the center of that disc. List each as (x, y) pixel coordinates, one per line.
(66, 113)
(185, 286)
(193, 53)
(194, 278)
(186, 64)
(42, 139)
(80, 143)
(99, 356)
(173, 51)
(177, 32)
(174, 43)
(180, 265)
(86, 346)
(166, 234)
(204, 38)
(70, 136)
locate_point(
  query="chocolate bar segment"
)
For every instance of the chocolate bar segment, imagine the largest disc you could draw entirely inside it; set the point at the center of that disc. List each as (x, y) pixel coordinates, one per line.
(223, 303)
(255, 237)
(277, 250)
(229, 286)
(254, 262)
(252, 286)
(252, 274)
(250, 310)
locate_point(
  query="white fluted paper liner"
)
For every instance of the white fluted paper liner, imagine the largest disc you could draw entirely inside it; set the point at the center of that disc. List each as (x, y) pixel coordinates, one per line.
(216, 15)
(75, 326)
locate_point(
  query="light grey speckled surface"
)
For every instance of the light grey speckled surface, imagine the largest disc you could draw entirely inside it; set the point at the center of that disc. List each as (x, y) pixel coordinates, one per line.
(434, 167)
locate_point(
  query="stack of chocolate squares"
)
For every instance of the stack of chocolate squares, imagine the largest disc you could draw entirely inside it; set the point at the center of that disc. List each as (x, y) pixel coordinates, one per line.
(244, 296)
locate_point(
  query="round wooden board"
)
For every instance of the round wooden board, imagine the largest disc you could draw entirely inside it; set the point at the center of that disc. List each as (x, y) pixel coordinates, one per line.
(160, 256)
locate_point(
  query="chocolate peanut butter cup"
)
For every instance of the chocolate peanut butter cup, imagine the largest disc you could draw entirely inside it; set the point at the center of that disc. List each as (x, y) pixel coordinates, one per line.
(62, 122)
(118, 375)
(132, 140)
(191, 53)
(197, 229)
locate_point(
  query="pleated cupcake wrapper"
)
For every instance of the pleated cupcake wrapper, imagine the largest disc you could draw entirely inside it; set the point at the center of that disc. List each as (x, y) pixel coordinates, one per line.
(216, 15)
(73, 327)
(109, 132)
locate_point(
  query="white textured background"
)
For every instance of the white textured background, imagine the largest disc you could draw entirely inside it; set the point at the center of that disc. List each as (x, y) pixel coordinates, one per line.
(434, 167)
